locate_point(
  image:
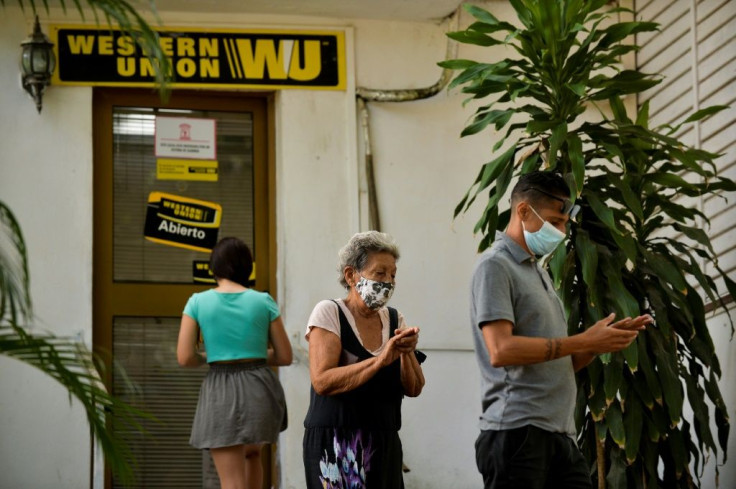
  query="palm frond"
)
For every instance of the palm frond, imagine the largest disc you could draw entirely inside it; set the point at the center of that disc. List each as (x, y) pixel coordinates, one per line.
(66, 360)
(15, 299)
(72, 365)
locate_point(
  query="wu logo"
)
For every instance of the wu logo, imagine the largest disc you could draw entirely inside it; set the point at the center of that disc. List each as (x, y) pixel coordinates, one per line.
(296, 60)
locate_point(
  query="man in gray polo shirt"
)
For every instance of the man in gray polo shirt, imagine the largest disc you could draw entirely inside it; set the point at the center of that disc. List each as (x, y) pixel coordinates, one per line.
(526, 359)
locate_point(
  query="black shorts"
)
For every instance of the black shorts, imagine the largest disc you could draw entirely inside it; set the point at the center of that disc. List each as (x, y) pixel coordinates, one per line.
(530, 458)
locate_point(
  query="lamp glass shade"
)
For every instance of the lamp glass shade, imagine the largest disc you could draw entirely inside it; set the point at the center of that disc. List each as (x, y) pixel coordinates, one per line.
(37, 57)
(40, 60)
(26, 60)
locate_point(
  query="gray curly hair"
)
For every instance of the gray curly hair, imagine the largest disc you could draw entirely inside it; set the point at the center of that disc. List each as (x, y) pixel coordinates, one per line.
(356, 253)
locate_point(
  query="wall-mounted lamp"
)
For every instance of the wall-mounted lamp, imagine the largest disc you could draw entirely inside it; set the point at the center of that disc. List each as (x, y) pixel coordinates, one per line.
(37, 63)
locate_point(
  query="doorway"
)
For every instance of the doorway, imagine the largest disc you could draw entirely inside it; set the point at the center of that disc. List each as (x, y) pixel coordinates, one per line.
(169, 180)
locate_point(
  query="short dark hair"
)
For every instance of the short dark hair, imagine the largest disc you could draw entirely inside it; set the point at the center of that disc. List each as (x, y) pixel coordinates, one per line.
(538, 187)
(232, 260)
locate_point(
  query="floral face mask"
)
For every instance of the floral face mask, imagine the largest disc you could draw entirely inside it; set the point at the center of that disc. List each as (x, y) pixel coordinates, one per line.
(374, 294)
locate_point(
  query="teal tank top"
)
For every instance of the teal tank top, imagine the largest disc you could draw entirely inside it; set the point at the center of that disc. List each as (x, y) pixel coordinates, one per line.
(234, 325)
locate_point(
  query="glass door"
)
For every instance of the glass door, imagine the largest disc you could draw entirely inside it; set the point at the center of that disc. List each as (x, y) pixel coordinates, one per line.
(169, 181)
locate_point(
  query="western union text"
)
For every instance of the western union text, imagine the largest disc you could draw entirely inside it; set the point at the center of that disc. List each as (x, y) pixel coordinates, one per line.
(203, 57)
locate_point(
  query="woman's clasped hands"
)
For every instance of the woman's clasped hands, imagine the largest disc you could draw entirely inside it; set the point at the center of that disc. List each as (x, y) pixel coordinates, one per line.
(404, 341)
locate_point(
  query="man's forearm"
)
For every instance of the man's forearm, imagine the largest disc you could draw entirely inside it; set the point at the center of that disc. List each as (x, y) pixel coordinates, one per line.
(581, 360)
(522, 350)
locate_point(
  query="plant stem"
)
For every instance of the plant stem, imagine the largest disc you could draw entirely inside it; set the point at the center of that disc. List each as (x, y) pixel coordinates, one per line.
(601, 460)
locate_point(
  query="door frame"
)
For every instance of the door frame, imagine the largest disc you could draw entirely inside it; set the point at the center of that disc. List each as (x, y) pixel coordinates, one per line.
(111, 299)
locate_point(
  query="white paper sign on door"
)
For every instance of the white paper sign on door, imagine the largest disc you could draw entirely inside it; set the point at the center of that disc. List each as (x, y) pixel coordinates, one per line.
(183, 137)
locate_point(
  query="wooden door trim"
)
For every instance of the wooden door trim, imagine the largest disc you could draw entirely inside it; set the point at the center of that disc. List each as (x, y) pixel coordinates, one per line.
(111, 299)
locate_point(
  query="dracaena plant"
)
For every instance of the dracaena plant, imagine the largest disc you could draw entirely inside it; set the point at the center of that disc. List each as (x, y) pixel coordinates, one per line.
(67, 360)
(621, 255)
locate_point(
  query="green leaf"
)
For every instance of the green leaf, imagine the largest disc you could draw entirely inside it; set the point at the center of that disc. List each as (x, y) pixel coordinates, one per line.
(494, 169)
(497, 117)
(624, 303)
(578, 88)
(647, 369)
(665, 270)
(15, 298)
(556, 264)
(696, 399)
(468, 74)
(457, 64)
(615, 423)
(588, 256)
(678, 450)
(486, 17)
(652, 432)
(601, 430)
(618, 109)
(696, 234)
(575, 151)
(619, 31)
(706, 112)
(597, 404)
(603, 212)
(721, 415)
(531, 164)
(642, 118)
(633, 423)
(473, 37)
(559, 133)
(613, 375)
(631, 355)
(489, 173)
(534, 127)
(669, 180)
(627, 245)
(641, 388)
(671, 387)
(632, 201)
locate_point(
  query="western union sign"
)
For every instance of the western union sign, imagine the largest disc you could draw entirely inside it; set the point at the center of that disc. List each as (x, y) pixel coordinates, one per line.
(203, 58)
(180, 221)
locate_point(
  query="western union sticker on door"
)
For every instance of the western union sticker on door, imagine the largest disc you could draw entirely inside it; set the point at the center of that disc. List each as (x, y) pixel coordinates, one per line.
(197, 170)
(199, 58)
(201, 273)
(181, 221)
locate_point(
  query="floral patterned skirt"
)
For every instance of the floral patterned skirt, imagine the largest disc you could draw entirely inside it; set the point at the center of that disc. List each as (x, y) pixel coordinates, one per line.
(352, 459)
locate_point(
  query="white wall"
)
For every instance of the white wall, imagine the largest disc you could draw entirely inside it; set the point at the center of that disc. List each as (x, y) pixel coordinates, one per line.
(46, 179)
(422, 169)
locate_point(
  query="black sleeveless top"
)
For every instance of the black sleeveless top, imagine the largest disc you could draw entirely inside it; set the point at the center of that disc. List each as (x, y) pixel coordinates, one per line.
(375, 405)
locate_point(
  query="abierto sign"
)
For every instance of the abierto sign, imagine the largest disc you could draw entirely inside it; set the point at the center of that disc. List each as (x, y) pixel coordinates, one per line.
(183, 222)
(257, 58)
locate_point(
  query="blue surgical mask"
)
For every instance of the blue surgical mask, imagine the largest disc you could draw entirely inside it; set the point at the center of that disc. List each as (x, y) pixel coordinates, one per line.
(545, 240)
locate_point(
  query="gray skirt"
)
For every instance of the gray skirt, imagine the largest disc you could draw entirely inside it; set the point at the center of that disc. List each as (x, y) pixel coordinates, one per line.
(239, 404)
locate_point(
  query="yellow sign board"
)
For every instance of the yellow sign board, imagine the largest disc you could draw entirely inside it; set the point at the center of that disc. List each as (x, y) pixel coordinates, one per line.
(203, 58)
(195, 170)
(202, 274)
(180, 221)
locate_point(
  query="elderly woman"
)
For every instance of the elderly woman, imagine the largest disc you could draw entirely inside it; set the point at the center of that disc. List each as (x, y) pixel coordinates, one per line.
(362, 362)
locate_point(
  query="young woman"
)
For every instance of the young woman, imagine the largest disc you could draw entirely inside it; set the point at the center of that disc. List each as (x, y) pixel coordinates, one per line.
(241, 402)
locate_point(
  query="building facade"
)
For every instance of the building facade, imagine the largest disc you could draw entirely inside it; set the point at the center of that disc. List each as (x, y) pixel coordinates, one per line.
(70, 176)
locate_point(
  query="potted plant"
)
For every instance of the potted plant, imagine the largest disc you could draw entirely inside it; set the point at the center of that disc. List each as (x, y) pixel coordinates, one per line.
(636, 248)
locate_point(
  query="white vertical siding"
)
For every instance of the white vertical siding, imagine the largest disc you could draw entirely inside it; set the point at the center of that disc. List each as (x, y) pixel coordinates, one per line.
(695, 52)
